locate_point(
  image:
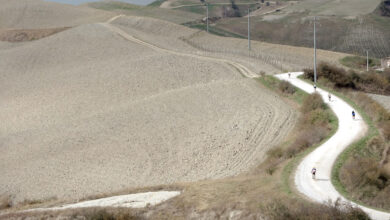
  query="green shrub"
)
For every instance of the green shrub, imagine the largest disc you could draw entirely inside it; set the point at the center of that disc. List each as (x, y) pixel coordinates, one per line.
(286, 87)
(103, 214)
(313, 102)
(368, 82)
(280, 210)
(318, 117)
(314, 125)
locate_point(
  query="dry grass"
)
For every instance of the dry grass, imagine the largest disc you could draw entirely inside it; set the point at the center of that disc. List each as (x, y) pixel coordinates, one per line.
(336, 211)
(5, 201)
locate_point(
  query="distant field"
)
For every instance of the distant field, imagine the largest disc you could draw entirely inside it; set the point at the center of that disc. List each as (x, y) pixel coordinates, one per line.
(38, 14)
(381, 99)
(343, 8)
(175, 16)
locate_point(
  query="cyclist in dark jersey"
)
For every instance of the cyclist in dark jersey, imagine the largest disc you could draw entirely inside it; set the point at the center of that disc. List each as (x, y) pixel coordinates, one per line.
(313, 173)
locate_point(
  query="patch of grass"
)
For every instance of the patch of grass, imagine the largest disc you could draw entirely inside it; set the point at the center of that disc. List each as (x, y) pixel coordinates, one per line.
(360, 63)
(272, 83)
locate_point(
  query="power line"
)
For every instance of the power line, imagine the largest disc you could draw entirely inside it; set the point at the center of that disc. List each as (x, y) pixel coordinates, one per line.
(315, 53)
(249, 29)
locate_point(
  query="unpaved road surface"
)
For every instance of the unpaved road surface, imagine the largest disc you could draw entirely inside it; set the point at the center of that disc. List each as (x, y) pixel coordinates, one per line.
(323, 157)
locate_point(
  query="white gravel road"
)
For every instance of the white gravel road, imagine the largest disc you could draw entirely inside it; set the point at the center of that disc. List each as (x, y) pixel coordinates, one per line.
(323, 158)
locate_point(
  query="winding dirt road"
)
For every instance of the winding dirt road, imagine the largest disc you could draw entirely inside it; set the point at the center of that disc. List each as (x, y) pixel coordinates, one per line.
(322, 158)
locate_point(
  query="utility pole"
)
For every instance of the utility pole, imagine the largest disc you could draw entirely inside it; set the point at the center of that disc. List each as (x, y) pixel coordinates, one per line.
(207, 5)
(249, 29)
(367, 60)
(315, 53)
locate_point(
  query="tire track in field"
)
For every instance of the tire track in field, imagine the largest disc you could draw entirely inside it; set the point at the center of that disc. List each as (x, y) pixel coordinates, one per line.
(240, 68)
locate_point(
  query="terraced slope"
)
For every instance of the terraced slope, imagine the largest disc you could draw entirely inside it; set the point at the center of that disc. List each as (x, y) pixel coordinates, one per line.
(86, 111)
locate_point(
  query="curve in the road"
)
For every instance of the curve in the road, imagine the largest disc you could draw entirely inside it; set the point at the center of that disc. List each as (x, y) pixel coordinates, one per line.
(323, 157)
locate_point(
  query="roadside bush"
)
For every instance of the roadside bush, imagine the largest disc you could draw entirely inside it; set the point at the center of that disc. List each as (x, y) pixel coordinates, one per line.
(286, 87)
(313, 102)
(104, 214)
(317, 117)
(371, 82)
(365, 174)
(314, 125)
(385, 128)
(306, 138)
(280, 210)
(5, 202)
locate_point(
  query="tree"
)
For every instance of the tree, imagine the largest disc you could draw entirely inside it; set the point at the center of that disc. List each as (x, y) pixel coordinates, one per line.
(236, 10)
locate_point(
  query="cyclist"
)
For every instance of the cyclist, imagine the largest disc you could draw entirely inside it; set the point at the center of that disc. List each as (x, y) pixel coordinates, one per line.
(313, 173)
(329, 97)
(353, 114)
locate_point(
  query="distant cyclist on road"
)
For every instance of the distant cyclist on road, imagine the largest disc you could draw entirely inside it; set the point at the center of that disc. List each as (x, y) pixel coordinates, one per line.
(313, 173)
(289, 75)
(353, 114)
(329, 96)
(315, 87)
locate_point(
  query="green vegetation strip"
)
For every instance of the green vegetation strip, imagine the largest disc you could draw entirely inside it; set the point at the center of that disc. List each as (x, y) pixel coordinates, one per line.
(357, 146)
(358, 62)
(272, 83)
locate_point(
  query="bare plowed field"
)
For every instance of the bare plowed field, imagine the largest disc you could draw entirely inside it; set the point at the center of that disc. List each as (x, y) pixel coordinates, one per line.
(38, 14)
(86, 111)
